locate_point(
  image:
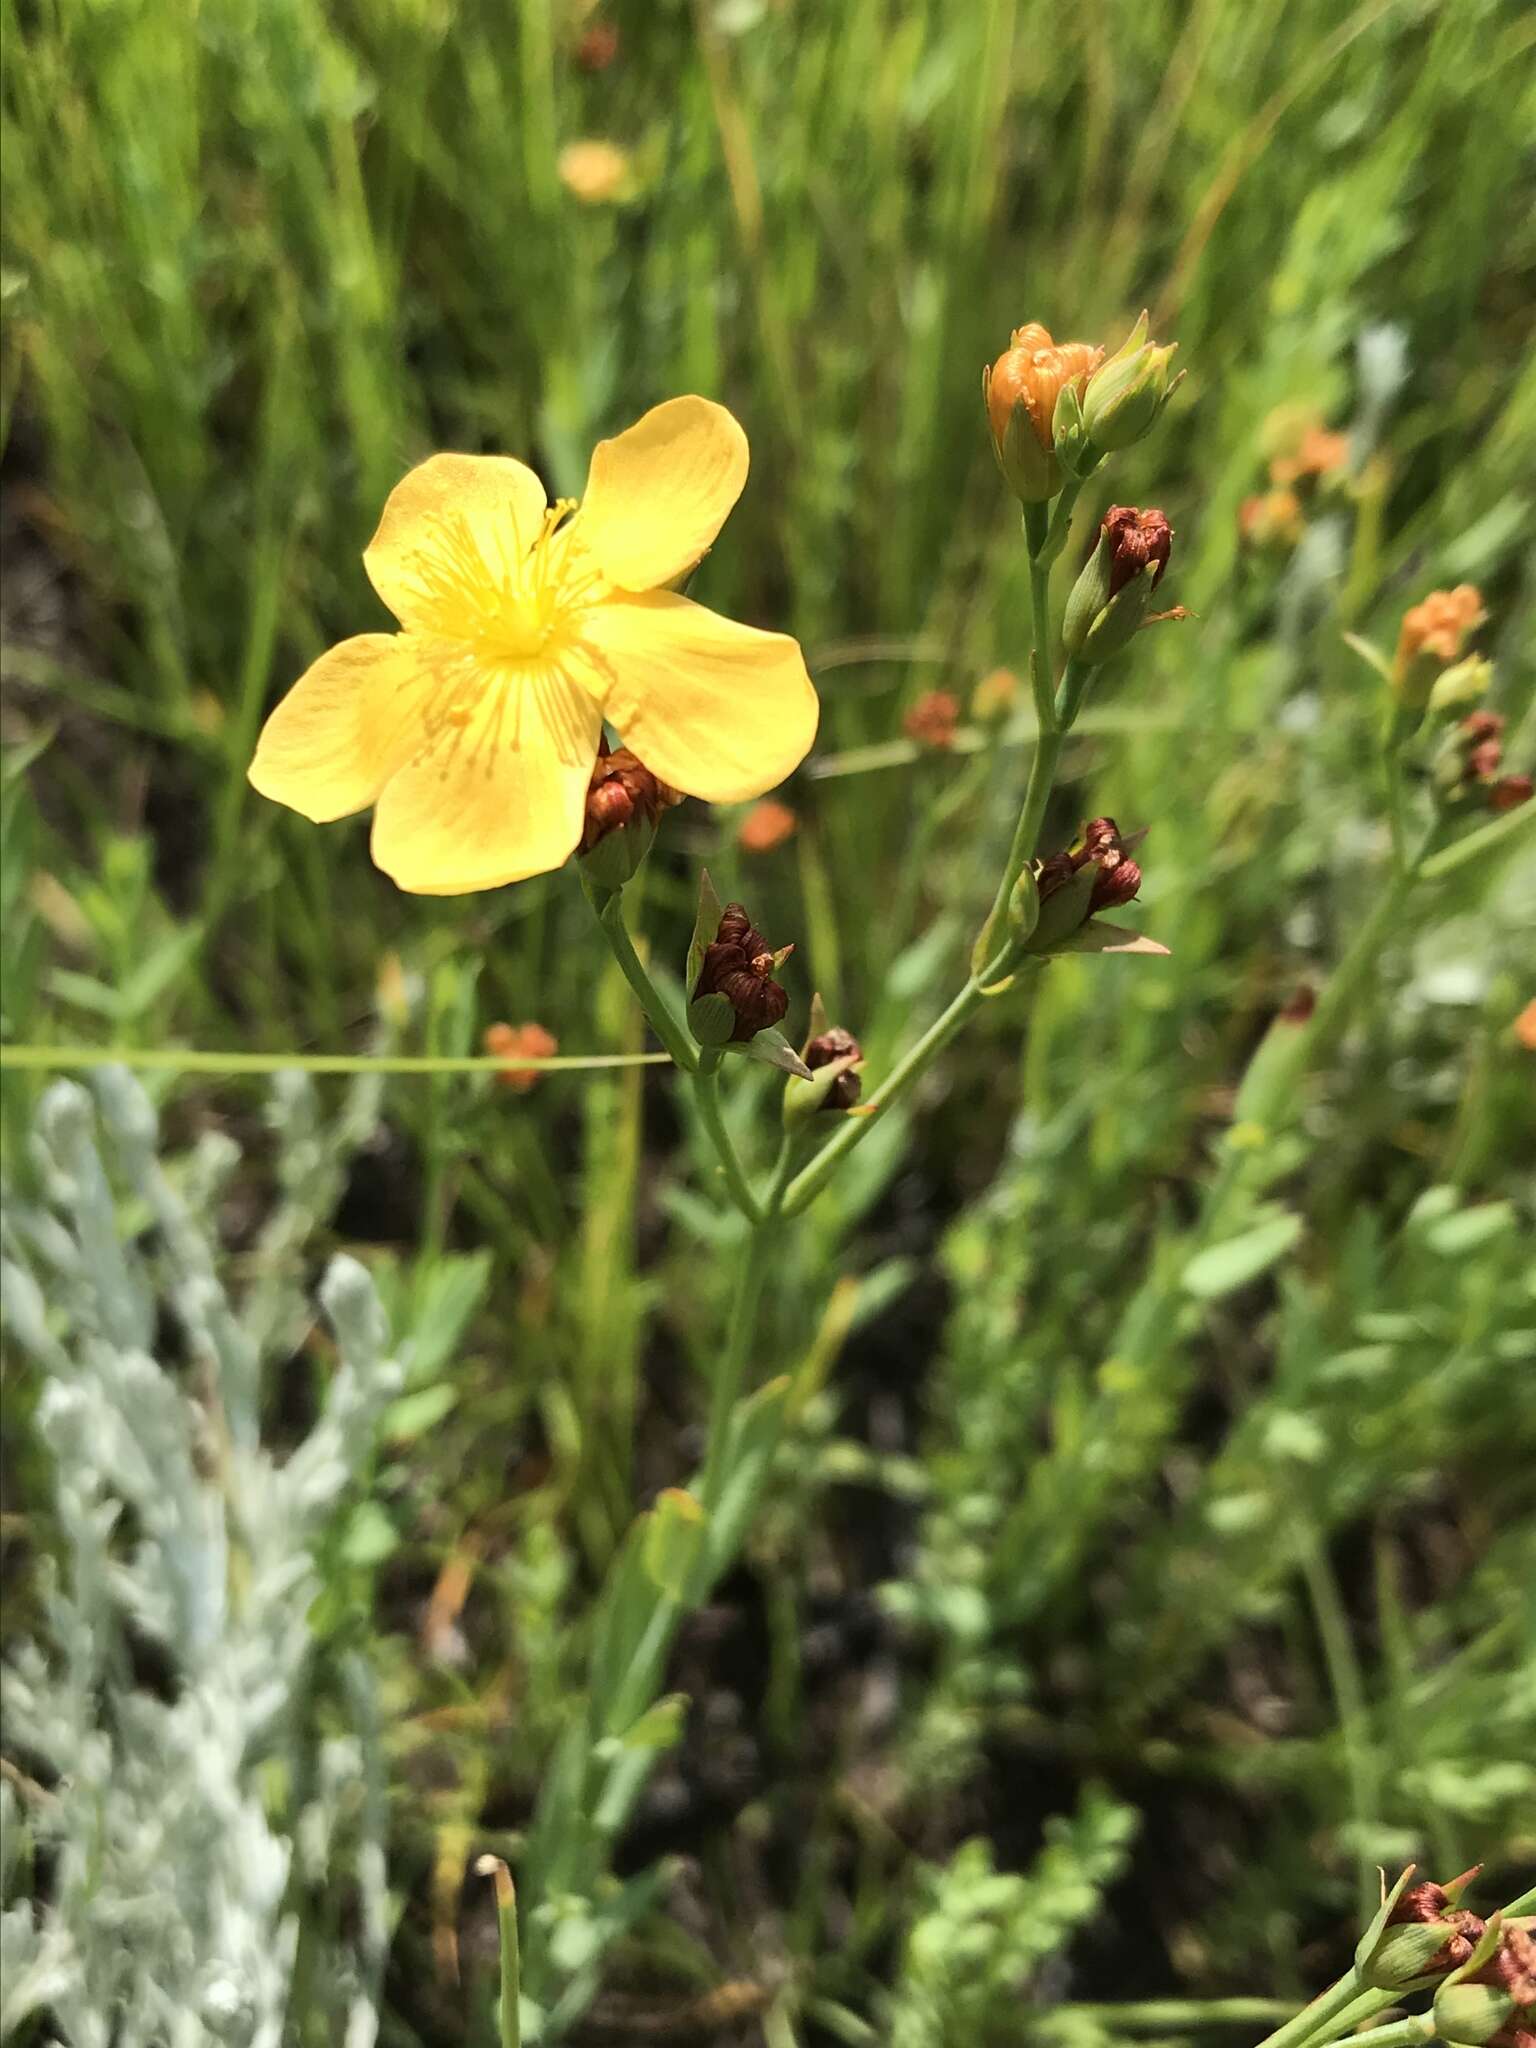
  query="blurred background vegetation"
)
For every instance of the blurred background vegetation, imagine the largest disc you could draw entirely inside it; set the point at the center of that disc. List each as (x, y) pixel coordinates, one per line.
(1185, 1638)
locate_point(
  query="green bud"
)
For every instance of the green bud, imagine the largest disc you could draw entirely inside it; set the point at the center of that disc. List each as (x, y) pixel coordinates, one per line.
(615, 858)
(1113, 594)
(1467, 2015)
(1024, 906)
(1124, 398)
(1467, 683)
(674, 1538)
(711, 1019)
(1062, 912)
(1402, 1954)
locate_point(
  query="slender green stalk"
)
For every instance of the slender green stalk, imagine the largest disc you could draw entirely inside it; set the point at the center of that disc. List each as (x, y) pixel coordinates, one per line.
(508, 2011)
(1314, 2018)
(174, 1059)
(730, 1371)
(1155, 2013)
(1041, 677)
(808, 1184)
(706, 1088)
(1402, 2033)
(1075, 679)
(609, 911)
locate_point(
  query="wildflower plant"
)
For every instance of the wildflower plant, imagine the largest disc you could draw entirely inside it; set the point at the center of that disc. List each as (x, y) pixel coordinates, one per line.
(552, 697)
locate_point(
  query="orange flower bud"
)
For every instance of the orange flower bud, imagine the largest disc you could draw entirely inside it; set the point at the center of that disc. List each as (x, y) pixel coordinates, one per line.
(1020, 390)
(531, 1041)
(932, 720)
(1271, 520)
(767, 825)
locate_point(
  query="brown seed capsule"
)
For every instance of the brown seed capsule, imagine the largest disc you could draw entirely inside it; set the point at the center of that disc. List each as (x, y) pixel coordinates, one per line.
(623, 788)
(739, 964)
(932, 720)
(836, 1044)
(1512, 1966)
(1510, 792)
(1135, 540)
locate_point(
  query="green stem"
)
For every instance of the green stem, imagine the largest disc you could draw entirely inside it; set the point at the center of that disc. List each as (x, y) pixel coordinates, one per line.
(807, 1185)
(509, 2013)
(1313, 2018)
(730, 1371)
(1402, 2033)
(608, 909)
(1040, 667)
(1178, 2013)
(1069, 698)
(706, 1088)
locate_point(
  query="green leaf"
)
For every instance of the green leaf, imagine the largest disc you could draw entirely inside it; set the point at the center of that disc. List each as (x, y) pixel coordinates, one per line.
(706, 923)
(1468, 1230)
(772, 1049)
(1221, 1268)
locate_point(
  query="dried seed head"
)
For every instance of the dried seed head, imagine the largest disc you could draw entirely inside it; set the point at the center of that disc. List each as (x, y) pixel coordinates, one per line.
(739, 964)
(830, 1045)
(932, 720)
(1136, 539)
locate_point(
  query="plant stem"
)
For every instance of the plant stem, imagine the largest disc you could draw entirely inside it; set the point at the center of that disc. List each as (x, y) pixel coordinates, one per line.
(608, 909)
(1157, 2013)
(730, 1371)
(508, 2011)
(1313, 2018)
(706, 1088)
(1040, 667)
(806, 1185)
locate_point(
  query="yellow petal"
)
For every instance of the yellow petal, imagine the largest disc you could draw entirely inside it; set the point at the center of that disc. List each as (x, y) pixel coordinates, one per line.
(659, 493)
(449, 514)
(328, 747)
(495, 793)
(720, 711)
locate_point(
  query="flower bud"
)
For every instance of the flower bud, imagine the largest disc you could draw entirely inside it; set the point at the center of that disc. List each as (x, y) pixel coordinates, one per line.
(1423, 1935)
(834, 1057)
(1125, 396)
(1112, 596)
(1096, 874)
(1510, 792)
(624, 805)
(735, 995)
(1021, 390)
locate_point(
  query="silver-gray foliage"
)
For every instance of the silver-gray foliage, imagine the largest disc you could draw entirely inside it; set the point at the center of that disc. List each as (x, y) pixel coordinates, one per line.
(168, 1917)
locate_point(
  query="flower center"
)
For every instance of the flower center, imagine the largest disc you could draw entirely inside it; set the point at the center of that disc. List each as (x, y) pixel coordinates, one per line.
(506, 602)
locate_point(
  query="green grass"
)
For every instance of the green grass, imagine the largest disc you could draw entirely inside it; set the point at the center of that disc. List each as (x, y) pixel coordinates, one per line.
(1246, 1564)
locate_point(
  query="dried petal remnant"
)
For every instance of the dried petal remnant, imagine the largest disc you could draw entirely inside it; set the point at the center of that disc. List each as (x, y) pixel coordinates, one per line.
(836, 1044)
(1137, 540)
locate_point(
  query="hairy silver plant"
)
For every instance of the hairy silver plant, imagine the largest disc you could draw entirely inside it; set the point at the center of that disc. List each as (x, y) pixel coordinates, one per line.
(160, 1759)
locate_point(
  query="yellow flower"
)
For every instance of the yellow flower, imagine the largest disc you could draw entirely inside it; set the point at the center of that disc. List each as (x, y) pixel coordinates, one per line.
(594, 171)
(473, 731)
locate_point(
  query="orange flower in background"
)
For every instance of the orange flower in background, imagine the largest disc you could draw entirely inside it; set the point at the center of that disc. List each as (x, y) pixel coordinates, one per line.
(1525, 1026)
(1271, 519)
(933, 719)
(1439, 625)
(767, 825)
(474, 730)
(1318, 453)
(995, 695)
(526, 1041)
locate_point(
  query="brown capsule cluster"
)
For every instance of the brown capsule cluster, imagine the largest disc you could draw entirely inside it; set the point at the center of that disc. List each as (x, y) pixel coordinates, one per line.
(1117, 877)
(739, 964)
(1479, 756)
(1136, 539)
(933, 719)
(1430, 1905)
(1512, 1966)
(830, 1045)
(623, 789)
